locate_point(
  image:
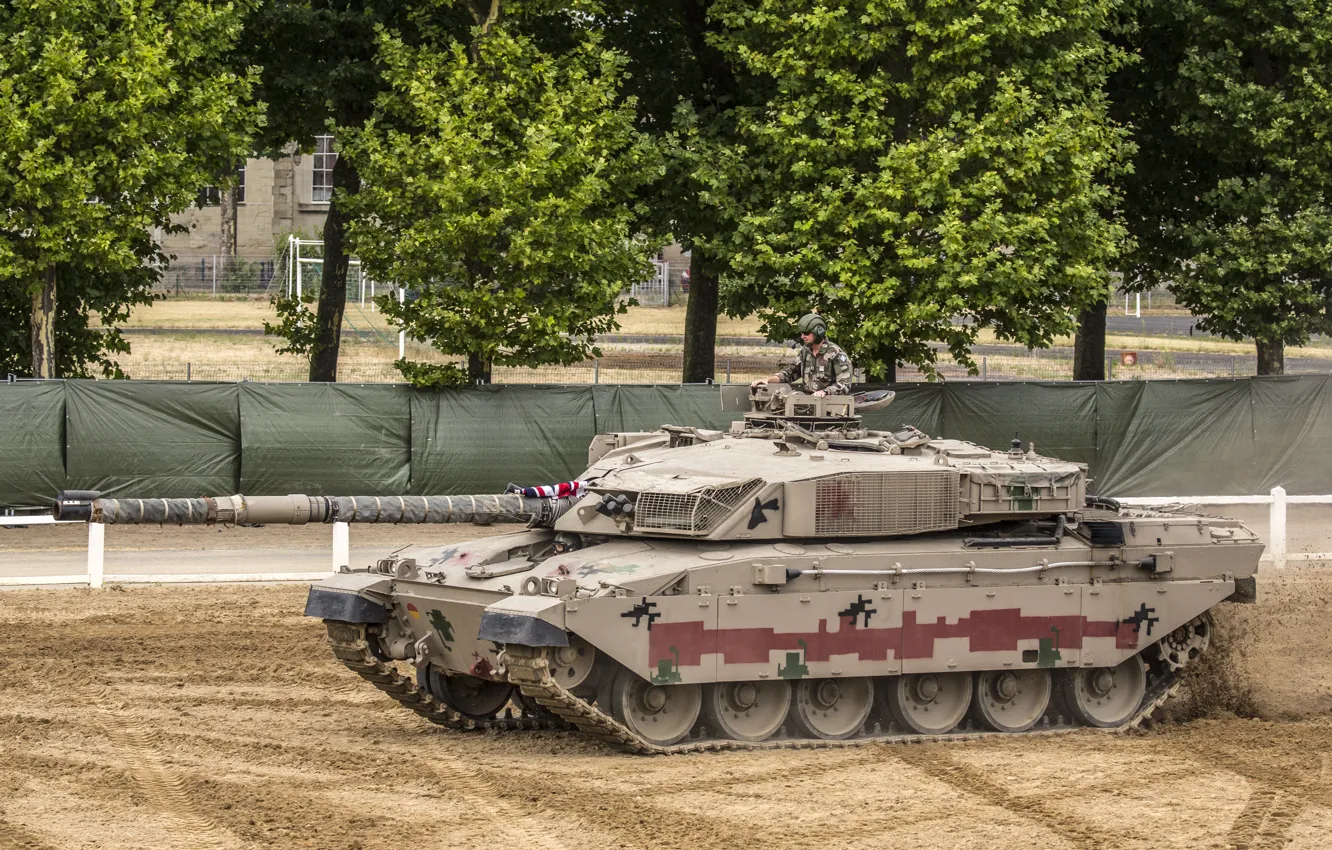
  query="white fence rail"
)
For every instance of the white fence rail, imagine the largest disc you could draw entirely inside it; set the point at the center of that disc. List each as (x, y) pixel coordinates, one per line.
(95, 575)
(1277, 550)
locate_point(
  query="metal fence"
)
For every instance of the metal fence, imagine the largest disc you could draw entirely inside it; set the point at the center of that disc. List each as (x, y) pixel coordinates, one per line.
(213, 275)
(995, 363)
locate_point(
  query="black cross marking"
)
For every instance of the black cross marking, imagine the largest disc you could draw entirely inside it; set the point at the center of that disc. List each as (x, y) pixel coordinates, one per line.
(855, 609)
(641, 610)
(757, 516)
(1140, 616)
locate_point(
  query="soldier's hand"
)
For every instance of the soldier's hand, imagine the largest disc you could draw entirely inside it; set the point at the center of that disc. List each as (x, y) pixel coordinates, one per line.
(819, 393)
(761, 382)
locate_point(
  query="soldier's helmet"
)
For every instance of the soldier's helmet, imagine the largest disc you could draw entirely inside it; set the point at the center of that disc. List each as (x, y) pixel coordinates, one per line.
(813, 323)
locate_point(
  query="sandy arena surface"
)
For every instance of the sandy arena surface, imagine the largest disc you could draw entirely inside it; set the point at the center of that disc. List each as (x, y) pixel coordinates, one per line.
(215, 717)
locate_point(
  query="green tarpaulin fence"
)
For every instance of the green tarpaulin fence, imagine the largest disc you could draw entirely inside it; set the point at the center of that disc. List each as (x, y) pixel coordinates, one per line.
(170, 439)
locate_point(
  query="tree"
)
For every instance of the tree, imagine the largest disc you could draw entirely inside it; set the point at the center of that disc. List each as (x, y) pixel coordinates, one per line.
(1229, 196)
(911, 165)
(317, 60)
(81, 348)
(112, 115)
(499, 185)
(685, 91)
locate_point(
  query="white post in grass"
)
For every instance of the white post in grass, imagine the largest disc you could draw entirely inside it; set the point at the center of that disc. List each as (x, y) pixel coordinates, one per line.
(402, 335)
(1277, 531)
(96, 554)
(341, 545)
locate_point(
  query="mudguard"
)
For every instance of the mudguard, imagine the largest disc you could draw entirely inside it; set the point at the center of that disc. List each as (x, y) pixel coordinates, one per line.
(350, 598)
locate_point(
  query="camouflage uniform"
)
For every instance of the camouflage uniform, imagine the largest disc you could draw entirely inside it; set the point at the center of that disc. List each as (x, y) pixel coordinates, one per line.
(829, 370)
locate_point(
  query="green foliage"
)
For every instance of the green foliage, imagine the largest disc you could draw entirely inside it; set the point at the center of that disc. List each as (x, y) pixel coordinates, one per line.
(501, 188)
(82, 349)
(1229, 196)
(911, 163)
(432, 376)
(295, 326)
(112, 115)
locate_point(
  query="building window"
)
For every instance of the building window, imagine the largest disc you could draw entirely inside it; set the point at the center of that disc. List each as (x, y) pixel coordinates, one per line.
(240, 185)
(208, 197)
(324, 157)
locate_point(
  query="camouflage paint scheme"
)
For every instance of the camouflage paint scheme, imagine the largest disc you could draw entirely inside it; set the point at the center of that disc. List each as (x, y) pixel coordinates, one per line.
(715, 625)
(801, 545)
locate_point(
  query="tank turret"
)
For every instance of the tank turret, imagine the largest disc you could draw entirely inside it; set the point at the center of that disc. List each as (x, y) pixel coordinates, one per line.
(798, 466)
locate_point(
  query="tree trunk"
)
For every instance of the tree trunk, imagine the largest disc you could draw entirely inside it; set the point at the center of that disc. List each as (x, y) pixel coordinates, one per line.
(1089, 345)
(478, 368)
(43, 327)
(333, 283)
(1271, 357)
(700, 334)
(226, 209)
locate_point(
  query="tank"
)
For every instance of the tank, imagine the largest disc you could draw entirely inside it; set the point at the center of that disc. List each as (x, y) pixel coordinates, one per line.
(799, 580)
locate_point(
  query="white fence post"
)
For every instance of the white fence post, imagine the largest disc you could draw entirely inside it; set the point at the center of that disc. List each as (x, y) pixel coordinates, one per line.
(402, 335)
(1277, 531)
(96, 554)
(341, 545)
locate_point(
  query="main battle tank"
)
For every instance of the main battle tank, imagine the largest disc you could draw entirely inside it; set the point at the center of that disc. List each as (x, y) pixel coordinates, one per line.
(798, 580)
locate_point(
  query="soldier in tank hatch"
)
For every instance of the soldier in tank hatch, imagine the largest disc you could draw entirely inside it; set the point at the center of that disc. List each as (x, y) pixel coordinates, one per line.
(822, 368)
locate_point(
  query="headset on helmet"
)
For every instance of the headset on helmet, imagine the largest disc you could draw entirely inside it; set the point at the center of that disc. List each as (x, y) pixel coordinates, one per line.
(813, 323)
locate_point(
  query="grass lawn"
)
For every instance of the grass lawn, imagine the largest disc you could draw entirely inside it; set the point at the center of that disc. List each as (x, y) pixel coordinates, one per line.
(210, 314)
(252, 313)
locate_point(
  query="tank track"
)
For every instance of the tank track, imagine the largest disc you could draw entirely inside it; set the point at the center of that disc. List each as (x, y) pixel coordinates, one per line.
(529, 669)
(351, 646)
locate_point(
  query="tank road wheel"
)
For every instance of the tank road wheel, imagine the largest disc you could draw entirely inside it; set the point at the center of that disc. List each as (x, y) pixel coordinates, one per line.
(478, 699)
(1011, 700)
(659, 714)
(929, 703)
(747, 711)
(1104, 696)
(831, 709)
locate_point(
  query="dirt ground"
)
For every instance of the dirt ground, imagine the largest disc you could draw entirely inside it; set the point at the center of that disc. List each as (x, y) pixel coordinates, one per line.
(214, 717)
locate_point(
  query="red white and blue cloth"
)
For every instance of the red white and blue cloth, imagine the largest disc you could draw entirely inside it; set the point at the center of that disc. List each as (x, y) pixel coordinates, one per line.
(563, 490)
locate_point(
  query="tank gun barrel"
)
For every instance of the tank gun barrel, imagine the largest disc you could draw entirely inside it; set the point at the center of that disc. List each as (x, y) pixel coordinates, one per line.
(298, 509)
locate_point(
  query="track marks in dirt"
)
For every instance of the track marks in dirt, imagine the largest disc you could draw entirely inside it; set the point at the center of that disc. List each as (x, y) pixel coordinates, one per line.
(15, 837)
(165, 788)
(554, 811)
(1265, 822)
(1282, 788)
(486, 799)
(936, 762)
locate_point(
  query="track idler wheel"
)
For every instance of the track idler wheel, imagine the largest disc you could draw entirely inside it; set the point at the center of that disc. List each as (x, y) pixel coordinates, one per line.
(473, 698)
(570, 666)
(1104, 696)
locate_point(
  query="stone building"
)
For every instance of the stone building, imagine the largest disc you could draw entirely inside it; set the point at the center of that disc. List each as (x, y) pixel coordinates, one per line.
(279, 198)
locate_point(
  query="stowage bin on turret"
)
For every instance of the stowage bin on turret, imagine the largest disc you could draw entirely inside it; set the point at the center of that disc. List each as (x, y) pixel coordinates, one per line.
(799, 578)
